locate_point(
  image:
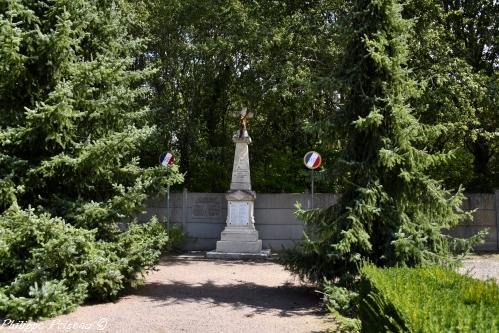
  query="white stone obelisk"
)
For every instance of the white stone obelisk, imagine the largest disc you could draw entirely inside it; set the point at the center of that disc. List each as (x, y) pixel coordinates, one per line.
(240, 238)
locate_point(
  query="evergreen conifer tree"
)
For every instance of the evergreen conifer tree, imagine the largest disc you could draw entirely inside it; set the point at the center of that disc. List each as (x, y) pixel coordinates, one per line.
(72, 120)
(392, 212)
(71, 130)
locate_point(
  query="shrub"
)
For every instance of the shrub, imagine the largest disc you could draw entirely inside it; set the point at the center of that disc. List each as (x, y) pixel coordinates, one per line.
(48, 267)
(176, 239)
(140, 247)
(50, 299)
(342, 302)
(73, 126)
(339, 298)
(431, 299)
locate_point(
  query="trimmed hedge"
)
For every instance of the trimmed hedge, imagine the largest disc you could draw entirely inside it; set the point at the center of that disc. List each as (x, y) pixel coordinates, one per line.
(431, 299)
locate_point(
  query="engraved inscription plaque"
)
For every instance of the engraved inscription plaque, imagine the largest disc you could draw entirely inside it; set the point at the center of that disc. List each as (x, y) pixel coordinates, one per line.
(206, 207)
(241, 176)
(239, 213)
(241, 172)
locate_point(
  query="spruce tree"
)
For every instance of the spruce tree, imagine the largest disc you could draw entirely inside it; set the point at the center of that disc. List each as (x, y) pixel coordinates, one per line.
(72, 120)
(72, 127)
(391, 212)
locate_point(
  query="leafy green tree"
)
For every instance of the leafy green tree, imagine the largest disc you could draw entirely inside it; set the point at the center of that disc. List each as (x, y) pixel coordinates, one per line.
(214, 56)
(72, 130)
(392, 212)
(454, 55)
(277, 57)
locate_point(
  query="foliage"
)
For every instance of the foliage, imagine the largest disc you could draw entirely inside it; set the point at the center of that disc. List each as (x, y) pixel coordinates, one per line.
(280, 59)
(214, 56)
(73, 126)
(431, 299)
(342, 302)
(339, 298)
(176, 239)
(140, 247)
(48, 267)
(43, 265)
(392, 211)
(454, 56)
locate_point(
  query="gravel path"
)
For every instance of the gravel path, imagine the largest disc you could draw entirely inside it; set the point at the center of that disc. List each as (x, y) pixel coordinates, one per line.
(483, 266)
(190, 294)
(193, 295)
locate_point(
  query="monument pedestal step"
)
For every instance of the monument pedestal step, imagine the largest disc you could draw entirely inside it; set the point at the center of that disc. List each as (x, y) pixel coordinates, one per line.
(237, 246)
(239, 234)
(264, 254)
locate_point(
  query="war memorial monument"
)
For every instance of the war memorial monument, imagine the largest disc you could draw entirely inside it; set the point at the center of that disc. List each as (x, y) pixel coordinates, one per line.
(239, 239)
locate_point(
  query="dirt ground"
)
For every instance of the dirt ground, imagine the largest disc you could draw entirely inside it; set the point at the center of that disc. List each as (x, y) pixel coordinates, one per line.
(192, 294)
(482, 266)
(186, 294)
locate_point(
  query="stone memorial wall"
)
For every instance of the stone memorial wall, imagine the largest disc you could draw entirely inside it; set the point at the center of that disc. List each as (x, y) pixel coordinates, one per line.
(203, 216)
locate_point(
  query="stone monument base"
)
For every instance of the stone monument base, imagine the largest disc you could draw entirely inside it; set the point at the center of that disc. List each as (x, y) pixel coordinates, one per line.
(263, 254)
(239, 243)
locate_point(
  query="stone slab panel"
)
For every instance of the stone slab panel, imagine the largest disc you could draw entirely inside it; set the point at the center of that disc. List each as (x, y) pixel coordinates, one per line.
(289, 232)
(204, 230)
(203, 244)
(277, 201)
(160, 201)
(484, 218)
(465, 205)
(176, 215)
(487, 247)
(240, 213)
(322, 200)
(481, 200)
(264, 254)
(279, 244)
(276, 216)
(458, 231)
(492, 235)
(160, 213)
(193, 197)
(207, 207)
(472, 230)
(239, 235)
(208, 220)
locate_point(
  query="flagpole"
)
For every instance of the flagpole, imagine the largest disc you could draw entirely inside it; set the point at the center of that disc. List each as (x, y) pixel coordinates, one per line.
(168, 208)
(313, 189)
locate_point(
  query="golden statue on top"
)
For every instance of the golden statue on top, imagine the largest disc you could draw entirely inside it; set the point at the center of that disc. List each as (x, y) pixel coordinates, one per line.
(244, 114)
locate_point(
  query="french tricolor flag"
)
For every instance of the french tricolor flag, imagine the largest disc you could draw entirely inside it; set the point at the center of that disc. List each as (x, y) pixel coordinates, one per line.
(312, 160)
(167, 159)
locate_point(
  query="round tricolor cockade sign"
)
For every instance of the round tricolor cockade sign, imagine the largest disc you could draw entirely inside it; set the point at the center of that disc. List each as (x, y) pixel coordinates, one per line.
(166, 159)
(312, 160)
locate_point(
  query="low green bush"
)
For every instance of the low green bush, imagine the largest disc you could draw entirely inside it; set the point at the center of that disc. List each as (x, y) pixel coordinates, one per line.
(176, 239)
(430, 299)
(339, 298)
(342, 303)
(48, 267)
